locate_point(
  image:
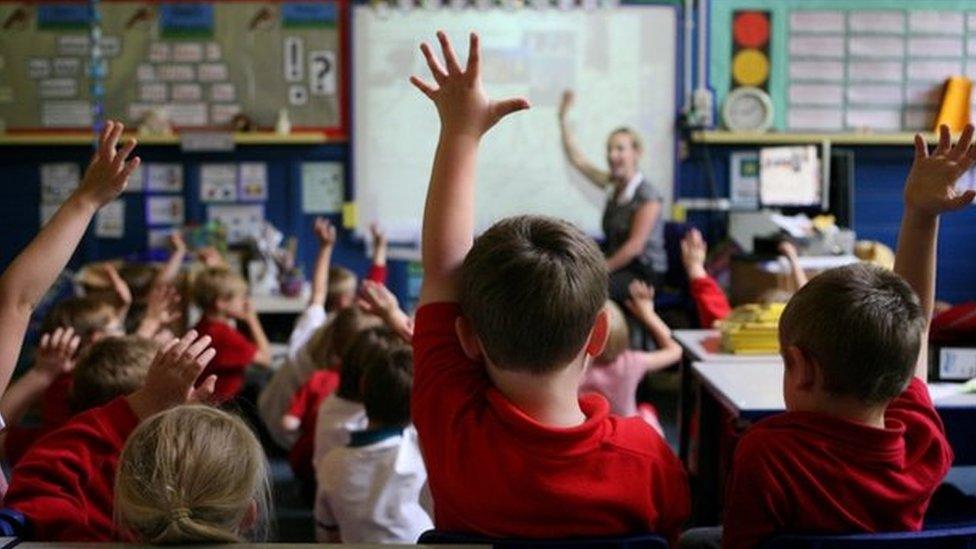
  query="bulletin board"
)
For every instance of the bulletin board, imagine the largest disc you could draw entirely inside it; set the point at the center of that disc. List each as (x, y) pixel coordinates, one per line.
(201, 62)
(850, 65)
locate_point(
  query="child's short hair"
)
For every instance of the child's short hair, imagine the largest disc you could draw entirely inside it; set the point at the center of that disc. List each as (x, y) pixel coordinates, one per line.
(387, 381)
(359, 355)
(342, 283)
(85, 315)
(532, 287)
(864, 327)
(618, 339)
(113, 367)
(192, 474)
(330, 342)
(216, 283)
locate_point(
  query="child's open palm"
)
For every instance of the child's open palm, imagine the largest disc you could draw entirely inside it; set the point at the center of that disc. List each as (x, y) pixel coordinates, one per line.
(325, 232)
(56, 352)
(931, 184)
(108, 173)
(172, 375)
(459, 95)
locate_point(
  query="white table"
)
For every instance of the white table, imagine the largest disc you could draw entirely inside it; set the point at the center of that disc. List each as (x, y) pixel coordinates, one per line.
(705, 345)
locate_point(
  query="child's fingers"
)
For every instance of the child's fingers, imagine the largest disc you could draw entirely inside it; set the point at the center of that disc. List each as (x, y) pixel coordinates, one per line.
(194, 350)
(131, 166)
(206, 357)
(501, 109)
(963, 200)
(113, 140)
(945, 140)
(130, 145)
(436, 70)
(103, 137)
(183, 344)
(424, 87)
(453, 67)
(962, 145)
(473, 69)
(45, 341)
(73, 346)
(205, 390)
(921, 148)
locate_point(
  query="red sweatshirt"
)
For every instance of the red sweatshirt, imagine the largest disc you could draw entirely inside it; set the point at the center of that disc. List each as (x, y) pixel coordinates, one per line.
(65, 484)
(305, 405)
(710, 300)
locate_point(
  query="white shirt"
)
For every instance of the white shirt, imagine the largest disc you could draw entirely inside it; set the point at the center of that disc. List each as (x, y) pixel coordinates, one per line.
(289, 378)
(337, 418)
(628, 193)
(372, 493)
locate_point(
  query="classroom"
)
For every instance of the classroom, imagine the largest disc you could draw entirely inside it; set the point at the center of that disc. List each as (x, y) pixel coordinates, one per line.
(515, 273)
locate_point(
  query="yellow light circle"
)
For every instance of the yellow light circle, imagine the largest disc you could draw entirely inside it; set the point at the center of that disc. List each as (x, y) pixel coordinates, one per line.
(750, 67)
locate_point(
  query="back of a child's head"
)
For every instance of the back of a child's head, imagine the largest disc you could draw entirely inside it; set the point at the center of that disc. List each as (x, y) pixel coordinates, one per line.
(532, 288)
(387, 381)
(618, 338)
(89, 317)
(341, 292)
(358, 356)
(113, 367)
(216, 283)
(192, 474)
(863, 325)
(330, 342)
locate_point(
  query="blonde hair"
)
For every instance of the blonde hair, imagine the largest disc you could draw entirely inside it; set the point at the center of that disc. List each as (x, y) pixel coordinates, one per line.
(618, 338)
(113, 367)
(330, 342)
(635, 138)
(342, 283)
(216, 283)
(192, 474)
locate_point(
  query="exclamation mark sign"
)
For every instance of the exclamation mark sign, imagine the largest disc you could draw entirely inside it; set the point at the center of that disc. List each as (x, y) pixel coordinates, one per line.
(294, 55)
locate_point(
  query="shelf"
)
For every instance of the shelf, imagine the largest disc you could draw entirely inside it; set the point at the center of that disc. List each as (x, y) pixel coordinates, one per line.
(721, 137)
(250, 138)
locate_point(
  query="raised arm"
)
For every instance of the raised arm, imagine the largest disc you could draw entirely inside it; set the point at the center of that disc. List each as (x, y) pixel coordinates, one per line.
(377, 270)
(175, 261)
(930, 191)
(710, 300)
(466, 113)
(33, 271)
(55, 357)
(797, 275)
(377, 299)
(595, 175)
(263, 357)
(641, 305)
(641, 225)
(325, 233)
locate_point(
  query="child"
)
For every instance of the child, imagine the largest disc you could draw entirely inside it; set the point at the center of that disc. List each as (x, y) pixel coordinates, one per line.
(113, 367)
(302, 360)
(192, 474)
(504, 332)
(303, 409)
(222, 295)
(64, 484)
(710, 300)
(861, 447)
(618, 370)
(369, 490)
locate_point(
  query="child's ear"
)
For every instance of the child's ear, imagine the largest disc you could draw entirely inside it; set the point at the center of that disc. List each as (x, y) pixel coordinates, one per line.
(468, 338)
(803, 370)
(599, 334)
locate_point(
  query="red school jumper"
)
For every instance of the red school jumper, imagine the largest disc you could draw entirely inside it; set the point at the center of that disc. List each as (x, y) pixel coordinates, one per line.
(495, 471)
(235, 353)
(806, 472)
(65, 484)
(305, 405)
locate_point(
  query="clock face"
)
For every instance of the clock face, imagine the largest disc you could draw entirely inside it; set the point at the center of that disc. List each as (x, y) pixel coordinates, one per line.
(748, 109)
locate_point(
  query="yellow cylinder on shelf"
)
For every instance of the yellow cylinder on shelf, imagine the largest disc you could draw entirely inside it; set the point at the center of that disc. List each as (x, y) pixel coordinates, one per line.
(954, 111)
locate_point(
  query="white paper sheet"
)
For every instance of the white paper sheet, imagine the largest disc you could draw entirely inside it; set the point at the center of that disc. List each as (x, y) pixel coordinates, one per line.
(815, 119)
(153, 93)
(164, 177)
(879, 120)
(66, 114)
(188, 52)
(58, 181)
(876, 21)
(159, 52)
(187, 92)
(58, 88)
(39, 68)
(212, 72)
(875, 94)
(73, 44)
(876, 46)
(816, 70)
(817, 46)
(253, 177)
(67, 66)
(816, 94)
(322, 187)
(222, 92)
(816, 21)
(875, 71)
(218, 183)
(188, 114)
(789, 176)
(934, 46)
(937, 22)
(110, 221)
(933, 70)
(165, 210)
(222, 114)
(158, 239)
(137, 180)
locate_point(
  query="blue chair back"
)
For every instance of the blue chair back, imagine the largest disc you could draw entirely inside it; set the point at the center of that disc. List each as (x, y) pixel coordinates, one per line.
(640, 541)
(944, 538)
(12, 523)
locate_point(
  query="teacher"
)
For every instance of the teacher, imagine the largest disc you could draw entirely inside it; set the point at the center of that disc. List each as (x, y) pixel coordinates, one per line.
(632, 224)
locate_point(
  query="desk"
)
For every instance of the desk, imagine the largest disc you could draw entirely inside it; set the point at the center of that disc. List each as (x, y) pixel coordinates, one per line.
(703, 345)
(747, 392)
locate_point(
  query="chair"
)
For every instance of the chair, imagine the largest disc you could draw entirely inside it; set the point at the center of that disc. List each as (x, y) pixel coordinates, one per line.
(943, 538)
(12, 523)
(640, 541)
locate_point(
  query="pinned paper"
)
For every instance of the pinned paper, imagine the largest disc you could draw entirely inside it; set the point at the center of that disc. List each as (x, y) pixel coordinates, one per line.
(218, 183)
(350, 215)
(241, 222)
(165, 177)
(164, 210)
(158, 239)
(322, 187)
(110, 221)
(137, 180)
(58, 181)
(253, 178)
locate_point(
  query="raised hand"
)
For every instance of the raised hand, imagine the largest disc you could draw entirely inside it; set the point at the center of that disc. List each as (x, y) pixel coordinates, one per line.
(172, 375)
(377, 299)
(459, 95)
(566, 103)
(108, 173)
(161, 304)
(177, 243)
(641, 302)
(325, 232)
(56, 353)
(931, 185)
(693, 252)
(119, 285)
(378, 235)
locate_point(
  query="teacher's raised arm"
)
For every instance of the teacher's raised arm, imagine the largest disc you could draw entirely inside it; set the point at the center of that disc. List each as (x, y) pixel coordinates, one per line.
(632, 223)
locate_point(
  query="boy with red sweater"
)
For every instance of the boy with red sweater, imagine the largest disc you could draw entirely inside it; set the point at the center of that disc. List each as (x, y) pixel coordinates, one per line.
(222, 295)
(507, 325)
(861, 447)
(64, 485)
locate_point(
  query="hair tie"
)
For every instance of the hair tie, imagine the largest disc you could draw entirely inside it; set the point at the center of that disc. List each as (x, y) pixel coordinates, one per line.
(179, 513)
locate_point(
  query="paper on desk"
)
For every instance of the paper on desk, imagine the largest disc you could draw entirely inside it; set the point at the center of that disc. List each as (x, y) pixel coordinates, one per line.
(797, 226)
